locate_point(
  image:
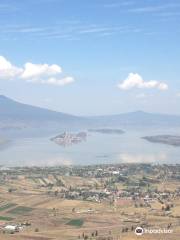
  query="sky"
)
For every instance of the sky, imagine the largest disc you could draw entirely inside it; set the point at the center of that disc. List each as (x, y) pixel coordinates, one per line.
(91, 57)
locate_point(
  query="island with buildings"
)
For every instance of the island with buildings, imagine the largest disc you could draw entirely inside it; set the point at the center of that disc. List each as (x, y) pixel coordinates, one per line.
(68, 139)
(165, 139)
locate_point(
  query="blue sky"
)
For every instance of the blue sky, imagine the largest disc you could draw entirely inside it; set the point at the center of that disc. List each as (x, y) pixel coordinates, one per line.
(91, 57)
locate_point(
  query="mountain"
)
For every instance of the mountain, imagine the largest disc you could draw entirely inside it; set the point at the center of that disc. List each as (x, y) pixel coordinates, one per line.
(12, 109)
(139, 119)
(15, 114)
(18, 115)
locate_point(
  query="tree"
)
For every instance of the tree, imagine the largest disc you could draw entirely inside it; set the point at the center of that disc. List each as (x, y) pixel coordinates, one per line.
(56, 193)
(10, 190)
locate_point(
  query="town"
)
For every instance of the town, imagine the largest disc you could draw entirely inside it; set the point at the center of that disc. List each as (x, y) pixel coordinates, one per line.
(98, 202)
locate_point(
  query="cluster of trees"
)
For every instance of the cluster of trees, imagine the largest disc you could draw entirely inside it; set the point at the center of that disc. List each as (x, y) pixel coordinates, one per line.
(86, 236)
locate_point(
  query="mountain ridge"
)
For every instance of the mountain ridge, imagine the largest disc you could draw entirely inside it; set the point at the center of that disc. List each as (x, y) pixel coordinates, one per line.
(13, 111)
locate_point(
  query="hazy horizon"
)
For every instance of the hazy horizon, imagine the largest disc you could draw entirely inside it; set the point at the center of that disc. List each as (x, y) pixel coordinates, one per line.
(113, 114)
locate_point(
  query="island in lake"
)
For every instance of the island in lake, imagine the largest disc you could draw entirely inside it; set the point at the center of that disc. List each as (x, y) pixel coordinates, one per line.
(68, 139)
(165, 139)
(107, 131)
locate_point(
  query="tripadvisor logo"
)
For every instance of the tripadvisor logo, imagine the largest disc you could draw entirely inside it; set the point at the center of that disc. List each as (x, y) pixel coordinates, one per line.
(139, 231)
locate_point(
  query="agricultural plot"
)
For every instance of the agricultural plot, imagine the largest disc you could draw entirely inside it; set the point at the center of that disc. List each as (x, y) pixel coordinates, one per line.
(7, 206)
(20, 210)
(57, 217)
(4, 218)
(76, 222)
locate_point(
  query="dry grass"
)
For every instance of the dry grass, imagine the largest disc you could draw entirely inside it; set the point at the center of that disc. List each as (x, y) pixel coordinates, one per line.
(52, 224)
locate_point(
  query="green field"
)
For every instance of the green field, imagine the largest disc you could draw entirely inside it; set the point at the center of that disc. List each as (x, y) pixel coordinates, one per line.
(76, 222)
(6, 206)
(20, 210)
(2, 218)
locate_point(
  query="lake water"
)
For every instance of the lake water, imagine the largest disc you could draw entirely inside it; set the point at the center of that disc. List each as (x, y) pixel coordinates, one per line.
(99, 148)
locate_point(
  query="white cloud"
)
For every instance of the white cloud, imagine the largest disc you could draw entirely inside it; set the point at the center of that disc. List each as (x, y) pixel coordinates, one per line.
(134, 80)
(35, 73)
(7, 70)
(60, 82)
(32, 71)
(178, 94)
(155, 8)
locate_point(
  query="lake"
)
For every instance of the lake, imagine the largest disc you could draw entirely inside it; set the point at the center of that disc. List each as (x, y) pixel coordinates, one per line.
(99, 148)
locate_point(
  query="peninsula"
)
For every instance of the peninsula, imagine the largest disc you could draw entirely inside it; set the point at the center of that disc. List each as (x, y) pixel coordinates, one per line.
(165, 139)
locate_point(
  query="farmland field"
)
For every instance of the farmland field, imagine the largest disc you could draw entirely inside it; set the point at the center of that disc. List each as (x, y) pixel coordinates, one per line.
(97, 207)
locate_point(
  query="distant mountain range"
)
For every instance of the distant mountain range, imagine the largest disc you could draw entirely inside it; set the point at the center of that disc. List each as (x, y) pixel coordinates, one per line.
(18, 115)
(139, 119)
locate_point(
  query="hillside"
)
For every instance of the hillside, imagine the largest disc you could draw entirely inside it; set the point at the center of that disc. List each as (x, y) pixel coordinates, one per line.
(18, 115)
(138, 119)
